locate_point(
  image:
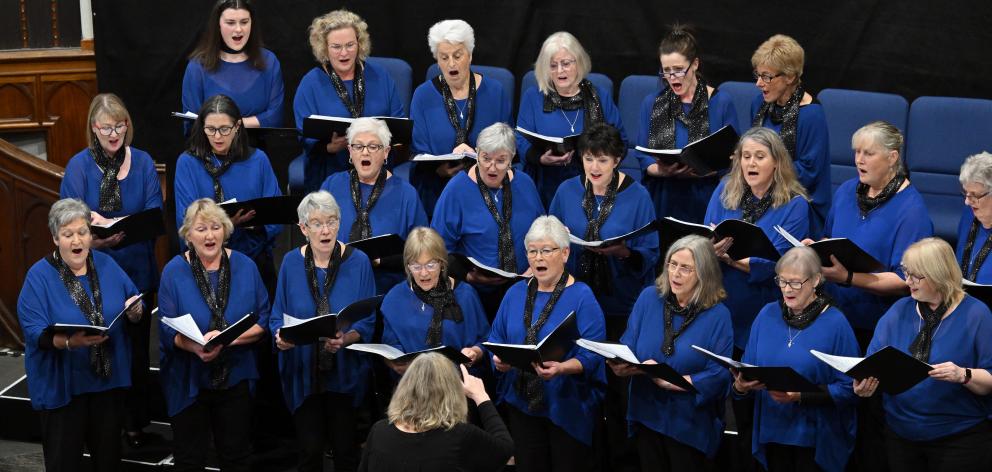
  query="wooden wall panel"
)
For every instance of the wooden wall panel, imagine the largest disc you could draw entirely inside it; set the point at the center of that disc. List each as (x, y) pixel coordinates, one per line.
(66, 103)
(17, 101)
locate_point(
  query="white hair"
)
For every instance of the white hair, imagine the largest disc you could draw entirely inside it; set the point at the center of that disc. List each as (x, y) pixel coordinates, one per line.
(370, 125)
(547, 227)
(451, 31)
(320, 201)
(496, 137)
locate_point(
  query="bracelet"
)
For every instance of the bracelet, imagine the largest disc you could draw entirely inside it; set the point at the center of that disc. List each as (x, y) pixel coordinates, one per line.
(967, 376)
(67, 348)
(850, 278)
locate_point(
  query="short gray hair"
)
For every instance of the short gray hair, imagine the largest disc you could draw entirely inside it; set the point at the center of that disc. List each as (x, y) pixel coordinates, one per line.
(496, 137)
(547, 227)
(803, 259)
(451, 31)
(370, 125)
(709, 280)
(321, 201)
(554, 43)
(978, 169)
(66, 211)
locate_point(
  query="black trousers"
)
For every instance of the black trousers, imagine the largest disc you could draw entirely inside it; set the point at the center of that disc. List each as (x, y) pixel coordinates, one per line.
(225, 413)
(970, 449)
(743, 409)
(322, 418)
(660, 453)
(790, 458)
(620, 452)
(870, 440)
(90, 419)
(136, 415)
(541, 446)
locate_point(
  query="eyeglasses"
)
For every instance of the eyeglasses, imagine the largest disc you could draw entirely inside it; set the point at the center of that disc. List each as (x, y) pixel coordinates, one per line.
(350, 47)
(682, 270)
(544, 252)
(108, 130)
(431, 266)
(766, 78)
(673, 74)
(487, 161)
(223, 130)
(360, 148)
(910, 276)
(971, 197)
(320, 225)
(793, 284)
(563, 65)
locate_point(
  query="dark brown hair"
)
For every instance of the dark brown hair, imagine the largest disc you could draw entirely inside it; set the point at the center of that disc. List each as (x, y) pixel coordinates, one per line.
(681, 40)
(199, 145)
(207, 52)
(602, 139)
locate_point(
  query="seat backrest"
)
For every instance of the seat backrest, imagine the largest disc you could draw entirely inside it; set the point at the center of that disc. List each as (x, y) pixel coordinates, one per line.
(943, 131)
(633, 89)
(402, 75)
(742, 93)
(599, 80)
(499, 74)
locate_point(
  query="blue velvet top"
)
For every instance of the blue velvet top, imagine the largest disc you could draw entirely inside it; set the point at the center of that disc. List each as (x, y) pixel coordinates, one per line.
(570, 401)
(57, 375)
(406, 320)
(183, 374)
(885, 233)
(748, 292)
(830, 429)
(140, 190)
(245, 180)
(631, 211)
(964, 227)
(692, 419)
(934, 409)
(354, 282)
(257, 93)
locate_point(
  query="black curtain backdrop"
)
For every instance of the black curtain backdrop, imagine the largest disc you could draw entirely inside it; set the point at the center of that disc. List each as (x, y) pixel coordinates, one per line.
(907, 48)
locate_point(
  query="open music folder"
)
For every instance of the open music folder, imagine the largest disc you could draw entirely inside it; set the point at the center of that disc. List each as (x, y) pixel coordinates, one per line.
(623, 353)
(558, 145)
(553, 347)
(846, 251)
(780, 379)
(707, 155)
(186, 326)
(278, 210)
(92, 330)
(749, 240)
(646, 229)
(391, 353)
(309, 330)
(895, 370)
(137, 227)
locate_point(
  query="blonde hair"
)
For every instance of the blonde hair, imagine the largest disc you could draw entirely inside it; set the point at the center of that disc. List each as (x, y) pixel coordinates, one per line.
(556, 42)
(883, 134)
(429, 396)
(321, 26)
(208, 210)
(782, 53)
(934, 259)
(110, 106)
(423, 240)
(786, 185)
(709, 280)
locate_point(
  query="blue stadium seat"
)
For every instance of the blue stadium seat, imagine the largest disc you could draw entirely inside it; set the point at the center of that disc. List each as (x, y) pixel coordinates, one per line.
(848, 110)
(499, 74)
(633, 89)
(599, 80)
(943, 131)
(743, 94)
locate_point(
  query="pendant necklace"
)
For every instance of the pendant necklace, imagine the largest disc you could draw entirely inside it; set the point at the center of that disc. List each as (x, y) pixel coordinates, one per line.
(461, 110)
(793, 338)
(571, 123)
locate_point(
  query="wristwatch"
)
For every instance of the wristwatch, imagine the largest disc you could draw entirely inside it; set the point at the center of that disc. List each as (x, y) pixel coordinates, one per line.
(967, 376)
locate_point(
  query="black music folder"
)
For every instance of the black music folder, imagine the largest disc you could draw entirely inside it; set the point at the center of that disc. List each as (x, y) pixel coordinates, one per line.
(558, 146)
(310, 330)
(704, 156)
(92, 330)
(257, 137)
(278, 210)
(779, 379)
(470, 263)
(378, 247)
(646, 229)
(140, 226)
(321, 127)
(895, 370)
(749, 240)
(846, 251)
(186, 326)
(623, 353)
(553, 347)
(980, 291)
(391, 353)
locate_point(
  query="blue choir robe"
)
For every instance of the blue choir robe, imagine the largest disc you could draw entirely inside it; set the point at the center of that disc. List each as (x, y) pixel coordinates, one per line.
(467, 227)
(257, 93)
(406, 320)
(56, 375)
(684, 199)
(964, 227)
(354, 282)
(692, 419)
(532, 117)
(397, 211)
(433, 133)
(631, 210)
(748, 292)
(934, 409)
(885, 233)
(183, 374)
(140, 190)
(316, 96)
(571, 402)
(812, 159)
(245, 180)
(830, 429)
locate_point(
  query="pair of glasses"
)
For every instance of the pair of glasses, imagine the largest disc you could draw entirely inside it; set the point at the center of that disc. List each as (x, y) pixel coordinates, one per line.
(563, 65)
(793, 284)
(673, 74)
(683, 270)
(320, 225)
(360, 148)
(432, 266)
(910, 276)
(223, 130)
(544, 252)
(119, 129)
(971, 197)
(350, 47)
(765, 77)
(487, 161)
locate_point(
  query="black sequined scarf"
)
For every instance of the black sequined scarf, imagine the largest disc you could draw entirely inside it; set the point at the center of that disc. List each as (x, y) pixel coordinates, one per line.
(216, 171)
(594, 269)
(361, 228)
(866, 204)
(507, 258)
(461, 133)
(354, 107)
(920, 347)
(971, 273)
(786, 115)
(110, 187)
(668, 108)
(752, 208)
(91, 309)
(587, 99)
(688, 314)
(216, 301)
(324, 359)
(528, 383)
(808, 315)
(441, 298)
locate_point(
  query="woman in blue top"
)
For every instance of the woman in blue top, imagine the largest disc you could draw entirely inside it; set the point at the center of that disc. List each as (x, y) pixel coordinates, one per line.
(674, 430)
(322, 383)
(801, 431)
(942, 422)
(230, 60)
(552, 410)
(685, 111)
(210, 391)
(220, 165)
(784, 106)
(449, 111)
(374, 201)
(76, 381)
(343, 85)
(975, 228)
(117, 180)
(563, 104)
(761, 189)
